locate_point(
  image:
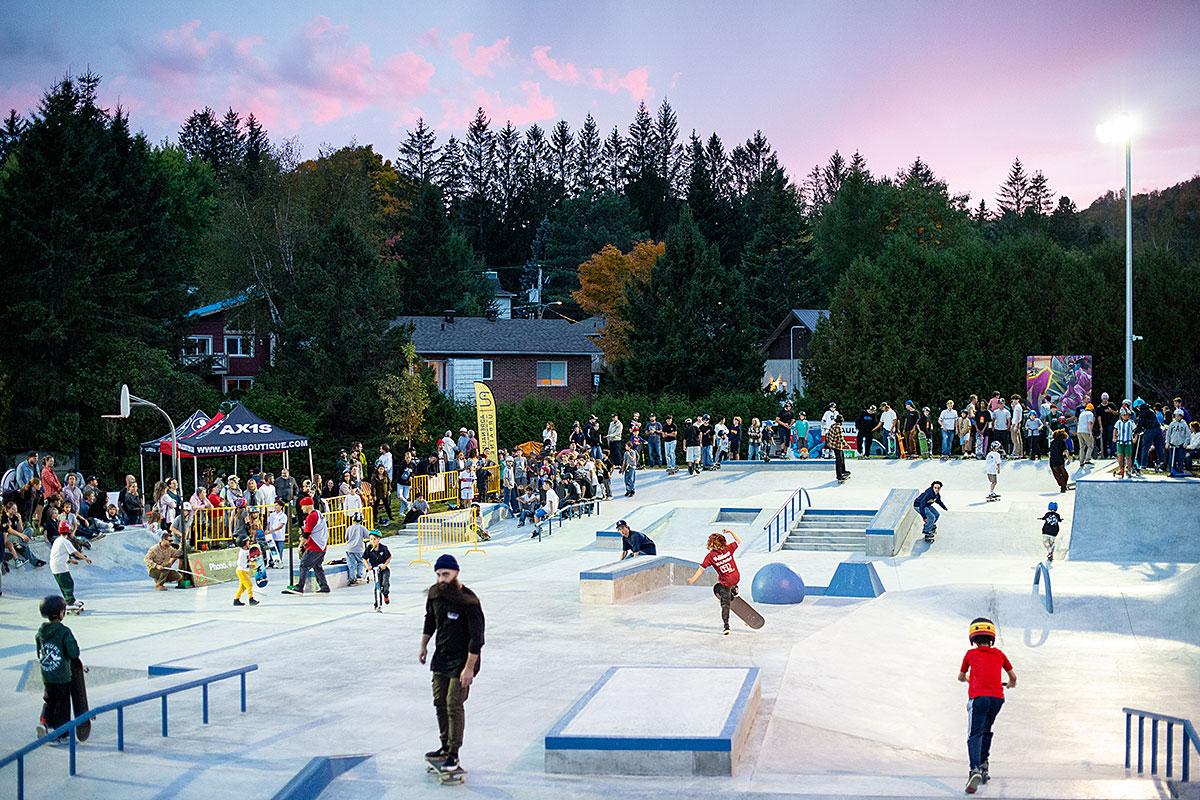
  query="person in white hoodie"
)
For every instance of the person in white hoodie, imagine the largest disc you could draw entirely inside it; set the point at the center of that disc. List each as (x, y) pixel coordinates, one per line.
(1178, 438)
(992, 467)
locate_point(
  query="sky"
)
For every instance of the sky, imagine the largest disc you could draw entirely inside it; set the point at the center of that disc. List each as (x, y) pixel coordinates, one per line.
(965, 86)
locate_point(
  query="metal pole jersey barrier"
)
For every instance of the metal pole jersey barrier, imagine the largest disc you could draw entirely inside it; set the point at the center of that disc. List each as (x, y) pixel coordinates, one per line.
(447, 529)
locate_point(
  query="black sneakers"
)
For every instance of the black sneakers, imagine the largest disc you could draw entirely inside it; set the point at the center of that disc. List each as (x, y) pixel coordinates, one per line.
(441, 754)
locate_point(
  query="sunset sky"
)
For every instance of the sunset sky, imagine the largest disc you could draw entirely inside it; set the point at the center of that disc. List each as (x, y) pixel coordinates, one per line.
(966, 86)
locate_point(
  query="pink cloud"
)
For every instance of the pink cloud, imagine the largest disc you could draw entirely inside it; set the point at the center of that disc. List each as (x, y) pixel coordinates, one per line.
(480, 60)
(636, 81)
(561, 71)
(535, 107)
(431, 38)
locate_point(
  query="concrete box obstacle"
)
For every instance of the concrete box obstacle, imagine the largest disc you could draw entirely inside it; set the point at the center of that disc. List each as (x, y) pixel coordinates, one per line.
(893, 524)
(647, 721)
(855, 579)
(635, 576)
(1136, 521)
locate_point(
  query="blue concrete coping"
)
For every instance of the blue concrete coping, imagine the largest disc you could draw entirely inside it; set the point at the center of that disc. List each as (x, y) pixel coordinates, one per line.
(317, 774)
(630, 566)
(891, 513)
(721, 743)
(608, 534)
(646, 529)
(724, 510)
(837, 512)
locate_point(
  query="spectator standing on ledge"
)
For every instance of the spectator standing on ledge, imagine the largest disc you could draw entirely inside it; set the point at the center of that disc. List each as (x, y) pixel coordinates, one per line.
(835, 441)
(454, 615)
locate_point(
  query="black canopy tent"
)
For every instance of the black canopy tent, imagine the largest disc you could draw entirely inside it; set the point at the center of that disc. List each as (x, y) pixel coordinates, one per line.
(240, 432)
(196, 422)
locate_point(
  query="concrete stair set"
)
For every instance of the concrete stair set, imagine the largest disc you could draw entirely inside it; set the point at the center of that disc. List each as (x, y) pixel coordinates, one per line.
(829, 530)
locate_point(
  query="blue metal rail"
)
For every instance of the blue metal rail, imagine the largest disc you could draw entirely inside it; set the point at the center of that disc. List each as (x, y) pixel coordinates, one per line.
(780, 523)
(1040, 571)
(119, 706)
(1189, 739)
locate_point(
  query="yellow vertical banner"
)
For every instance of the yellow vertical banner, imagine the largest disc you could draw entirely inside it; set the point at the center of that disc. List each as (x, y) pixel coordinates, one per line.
(485, 419)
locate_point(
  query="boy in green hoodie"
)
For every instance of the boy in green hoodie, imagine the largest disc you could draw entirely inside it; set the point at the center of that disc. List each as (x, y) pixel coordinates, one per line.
(56, 649)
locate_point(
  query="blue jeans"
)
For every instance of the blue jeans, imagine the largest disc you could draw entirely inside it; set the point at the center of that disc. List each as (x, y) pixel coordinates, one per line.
(669, 453)
(947, 443)
(930, 515)
(981, 714)
(752, 451)
(354, 566)
(706, 458)
(1150, 439)
(402, 493)
(630, 479)
(655, 447)
(597, 451)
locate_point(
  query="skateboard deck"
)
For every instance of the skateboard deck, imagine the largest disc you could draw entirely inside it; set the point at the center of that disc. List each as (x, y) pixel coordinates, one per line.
(79, 700)
(434, 767)
(923, 444)
(746, 613)
(992, 498)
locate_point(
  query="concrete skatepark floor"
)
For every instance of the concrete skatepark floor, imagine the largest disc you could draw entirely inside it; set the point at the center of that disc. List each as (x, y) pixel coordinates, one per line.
(858, 697)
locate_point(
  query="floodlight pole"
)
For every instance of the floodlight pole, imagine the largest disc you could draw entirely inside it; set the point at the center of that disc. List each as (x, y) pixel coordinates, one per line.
(1128, 269)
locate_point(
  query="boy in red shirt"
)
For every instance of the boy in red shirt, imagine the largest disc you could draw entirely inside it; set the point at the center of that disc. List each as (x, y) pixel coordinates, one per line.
(980, 670)
(720, 557)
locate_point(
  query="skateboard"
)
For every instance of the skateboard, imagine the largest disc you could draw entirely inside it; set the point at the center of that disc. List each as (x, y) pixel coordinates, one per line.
(746, 612)
(457, 775)
(79, 701)
(929, 537)
(991, 498)
(923, 444)
(258, 567)
(74, 610)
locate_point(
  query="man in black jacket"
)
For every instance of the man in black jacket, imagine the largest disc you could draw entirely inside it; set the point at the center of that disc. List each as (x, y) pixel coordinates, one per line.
(453, 613)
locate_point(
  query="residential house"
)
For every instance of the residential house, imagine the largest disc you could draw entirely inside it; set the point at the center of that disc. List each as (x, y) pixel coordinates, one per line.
(550, 358)
(224, 346)
(503, 304)
(786, 348)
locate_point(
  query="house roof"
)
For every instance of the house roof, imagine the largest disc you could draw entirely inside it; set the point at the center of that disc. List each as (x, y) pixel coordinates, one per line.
(499, 290)
(482, 336)
(808, 317)
(220, 305)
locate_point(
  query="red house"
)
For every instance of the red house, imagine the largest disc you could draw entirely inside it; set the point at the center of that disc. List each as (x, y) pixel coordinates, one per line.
(222, 343)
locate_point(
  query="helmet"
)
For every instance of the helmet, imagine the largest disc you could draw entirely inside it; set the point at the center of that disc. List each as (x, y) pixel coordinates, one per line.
(1052, 506)
(981, 626)
(1139, 403)
(995, 445)
(52, 606)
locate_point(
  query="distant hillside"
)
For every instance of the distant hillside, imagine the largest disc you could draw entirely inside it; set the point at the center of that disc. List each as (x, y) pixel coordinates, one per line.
(1168, 218)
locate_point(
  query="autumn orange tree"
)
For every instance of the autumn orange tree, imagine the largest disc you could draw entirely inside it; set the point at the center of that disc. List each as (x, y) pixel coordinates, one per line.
(603, 279)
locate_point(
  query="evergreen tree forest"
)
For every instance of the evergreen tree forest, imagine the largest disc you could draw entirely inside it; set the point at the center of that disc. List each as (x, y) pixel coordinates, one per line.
(108, 240)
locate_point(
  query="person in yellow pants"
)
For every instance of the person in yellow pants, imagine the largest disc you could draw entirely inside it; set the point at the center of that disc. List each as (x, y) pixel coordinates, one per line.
(245, 568)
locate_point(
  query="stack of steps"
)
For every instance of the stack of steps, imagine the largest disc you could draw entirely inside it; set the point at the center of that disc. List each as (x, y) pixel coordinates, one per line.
(830, 529)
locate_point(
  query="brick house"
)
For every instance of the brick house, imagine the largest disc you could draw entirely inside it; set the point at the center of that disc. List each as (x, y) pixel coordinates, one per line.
(551, 358)
(224, 346)
(787, 346)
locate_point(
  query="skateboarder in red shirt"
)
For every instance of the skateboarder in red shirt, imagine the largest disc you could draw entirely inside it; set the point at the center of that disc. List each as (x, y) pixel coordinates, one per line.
(980, 670)
(720, 557)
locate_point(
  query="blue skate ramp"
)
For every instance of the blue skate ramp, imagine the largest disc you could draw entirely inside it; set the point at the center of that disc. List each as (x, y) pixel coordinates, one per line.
(1135, 521)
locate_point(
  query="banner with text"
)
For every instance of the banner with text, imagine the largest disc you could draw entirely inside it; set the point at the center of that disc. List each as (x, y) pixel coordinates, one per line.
(485, 419)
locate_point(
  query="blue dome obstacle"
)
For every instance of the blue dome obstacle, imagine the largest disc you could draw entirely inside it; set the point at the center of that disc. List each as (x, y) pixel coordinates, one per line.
(777, 584)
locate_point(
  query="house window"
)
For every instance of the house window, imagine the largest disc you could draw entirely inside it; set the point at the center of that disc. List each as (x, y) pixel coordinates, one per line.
(198, 346)
(552, 373)
(233, 385)
(487, 370)
(240, 345)
(439, 374)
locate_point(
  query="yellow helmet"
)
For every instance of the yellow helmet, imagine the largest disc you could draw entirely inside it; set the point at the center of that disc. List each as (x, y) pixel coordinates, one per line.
(981, 626)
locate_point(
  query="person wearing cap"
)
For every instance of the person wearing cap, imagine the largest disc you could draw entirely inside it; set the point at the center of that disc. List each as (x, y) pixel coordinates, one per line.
(1178, 436)
(379, 561)
(654, 430)
(62, 555)
(313, 544)
(1083, 433)
(980, 670)
(1123, 435)
(160, 559)
(836, 441)
(356, 537)
(827, 418)
(454, 616)
(634, 543)
(1151, 432)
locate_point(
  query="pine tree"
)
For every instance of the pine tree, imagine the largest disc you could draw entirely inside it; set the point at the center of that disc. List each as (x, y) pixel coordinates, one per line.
(255, 154)
(815, 193)
(562, 150)
(450, 176)
(419, 153)
(668, 150)
(479, 151)
(10, 133)
(720, 172)
(639, 146)
(777, 263)
(231, 145)
(587, 158)
(1041, 199)
(508, 168)
(753, 162)
(1014, 192)
(200, 138)
(613, 163)
(833, 174)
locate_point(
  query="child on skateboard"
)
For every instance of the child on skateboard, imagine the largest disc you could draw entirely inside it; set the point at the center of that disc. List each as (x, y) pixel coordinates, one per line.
(980, 670)
(1050, 523)
(992, 467)
(56, 649)
(720, 556)
(62, 555)
(380, 559)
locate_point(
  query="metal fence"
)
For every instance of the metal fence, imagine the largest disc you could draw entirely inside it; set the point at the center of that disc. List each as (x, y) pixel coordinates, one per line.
(214, 527)
(447, 529)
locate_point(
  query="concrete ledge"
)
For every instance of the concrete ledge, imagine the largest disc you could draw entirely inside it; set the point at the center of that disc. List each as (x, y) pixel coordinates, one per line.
(645, 721)
(623, 580)
(310, 782)
(610, 538)
(893, 523)
(815, 464)
(1135, 521)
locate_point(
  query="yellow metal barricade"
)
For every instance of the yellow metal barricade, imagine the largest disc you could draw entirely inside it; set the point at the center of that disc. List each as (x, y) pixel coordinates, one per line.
(338, 518)
(447, 529)
(214, 527)
(436, 488)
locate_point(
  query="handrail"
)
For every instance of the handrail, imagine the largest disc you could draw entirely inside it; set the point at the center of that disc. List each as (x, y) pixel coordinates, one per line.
(1047, 599)
(119, 706)
(592, 502)
(792, 509)
(1189, 737)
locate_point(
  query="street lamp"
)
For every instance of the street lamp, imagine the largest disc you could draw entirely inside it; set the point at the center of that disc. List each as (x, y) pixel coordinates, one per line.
(1122, 129)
